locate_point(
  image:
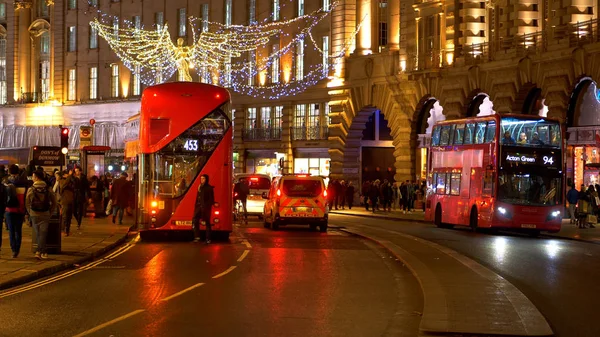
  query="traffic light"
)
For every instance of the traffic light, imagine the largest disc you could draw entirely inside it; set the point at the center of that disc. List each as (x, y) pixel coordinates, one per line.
(64, 140)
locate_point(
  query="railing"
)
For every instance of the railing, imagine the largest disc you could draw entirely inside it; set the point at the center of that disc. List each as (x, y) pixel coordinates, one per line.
(577, 34)
(34, 97)
(310, 133)
(259, 134)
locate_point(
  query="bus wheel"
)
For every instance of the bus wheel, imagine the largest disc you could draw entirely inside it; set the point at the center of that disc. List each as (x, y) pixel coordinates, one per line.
(473, 219)
(438, 217)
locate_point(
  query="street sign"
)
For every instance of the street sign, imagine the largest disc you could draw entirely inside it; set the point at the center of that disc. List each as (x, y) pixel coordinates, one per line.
(85, 136)
(47, 156)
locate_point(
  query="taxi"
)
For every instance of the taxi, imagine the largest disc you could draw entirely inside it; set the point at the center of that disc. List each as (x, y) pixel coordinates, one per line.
(298, 199)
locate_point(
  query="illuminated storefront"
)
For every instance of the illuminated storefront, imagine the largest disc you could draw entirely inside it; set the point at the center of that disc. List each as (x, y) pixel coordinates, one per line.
(313, 166)
(583, 157)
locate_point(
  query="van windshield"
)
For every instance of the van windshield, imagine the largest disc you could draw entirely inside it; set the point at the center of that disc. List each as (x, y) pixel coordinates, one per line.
(302, 188)
(258, 183)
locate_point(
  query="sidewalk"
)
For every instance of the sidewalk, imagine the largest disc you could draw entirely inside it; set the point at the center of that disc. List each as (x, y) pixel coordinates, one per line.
(568, 231)
(96, 237)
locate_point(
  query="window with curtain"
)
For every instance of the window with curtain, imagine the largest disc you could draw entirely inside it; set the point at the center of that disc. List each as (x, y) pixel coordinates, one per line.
(182, 22)
(300, 7)
(2, 11)
(227, 12)
(325, 60)
(251, 12)
(383, 18)
(278, 117)
(300, 116)
(72, 39)
(159, 20)
(71, 84)
(314, 117)
(275, 10)
(114, 81)
(72, 4)
(205, 17)
(43, 8)
(227, 73)
(93, 3)
(116, 27)
(275, 64)
(300, 60)
(94, 83)
(3, 85)
(265, 117)
(137, 85)
(251, 119)
(93, 37)
(44, 57)
(137, 21)
(326, 5)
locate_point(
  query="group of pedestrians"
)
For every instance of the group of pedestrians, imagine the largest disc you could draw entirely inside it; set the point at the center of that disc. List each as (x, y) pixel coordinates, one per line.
(584, 205)
(388, 196)
(340, 193)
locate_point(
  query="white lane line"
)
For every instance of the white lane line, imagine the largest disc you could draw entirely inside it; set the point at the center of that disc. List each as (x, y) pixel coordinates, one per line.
(182, 292)
(104, 325)
(225, 272)
(244, 254)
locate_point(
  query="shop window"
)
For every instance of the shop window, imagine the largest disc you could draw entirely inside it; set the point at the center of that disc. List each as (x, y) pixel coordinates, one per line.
(490, 133)
(479, 133)
(469, 133)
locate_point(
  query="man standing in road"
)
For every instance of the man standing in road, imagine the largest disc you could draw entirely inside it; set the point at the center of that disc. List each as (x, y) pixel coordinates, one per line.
(203, 208)
(15, 207)
(41, 203)
(120, 197)
(67, 200)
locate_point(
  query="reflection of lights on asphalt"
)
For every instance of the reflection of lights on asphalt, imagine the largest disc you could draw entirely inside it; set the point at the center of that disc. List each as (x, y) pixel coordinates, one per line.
(552, 249)
(500, 248)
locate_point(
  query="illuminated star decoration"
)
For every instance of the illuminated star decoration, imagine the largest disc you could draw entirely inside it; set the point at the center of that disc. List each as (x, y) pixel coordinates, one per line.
(220, 53)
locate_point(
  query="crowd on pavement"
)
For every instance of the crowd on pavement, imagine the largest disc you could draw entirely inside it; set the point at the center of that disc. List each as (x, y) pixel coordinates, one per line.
(33, 197)
(583, 205)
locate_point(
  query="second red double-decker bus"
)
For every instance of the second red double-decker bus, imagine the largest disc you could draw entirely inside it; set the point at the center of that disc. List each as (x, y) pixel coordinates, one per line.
(496, 171)
(185, 132)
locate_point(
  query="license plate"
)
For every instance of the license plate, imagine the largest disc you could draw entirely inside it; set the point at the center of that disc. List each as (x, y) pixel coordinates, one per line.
(303, 209)
(525, 225)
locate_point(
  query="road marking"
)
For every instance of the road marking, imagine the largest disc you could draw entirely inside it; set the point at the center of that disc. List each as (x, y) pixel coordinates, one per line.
(244, 254)
(182, 292)
(225, 272)
(104, 325)
(80, 269)
(247, 244)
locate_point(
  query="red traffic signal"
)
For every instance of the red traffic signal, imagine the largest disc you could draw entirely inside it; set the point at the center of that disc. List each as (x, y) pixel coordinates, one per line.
(65, 131)
(64, 138)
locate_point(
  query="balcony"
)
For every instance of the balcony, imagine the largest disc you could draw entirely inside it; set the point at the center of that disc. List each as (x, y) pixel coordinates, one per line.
(310, 133)
(262, 134)
(33, 97)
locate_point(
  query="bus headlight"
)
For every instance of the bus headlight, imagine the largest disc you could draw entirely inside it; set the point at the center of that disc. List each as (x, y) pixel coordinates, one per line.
(504, 212)
(501, 210)
(555, 214)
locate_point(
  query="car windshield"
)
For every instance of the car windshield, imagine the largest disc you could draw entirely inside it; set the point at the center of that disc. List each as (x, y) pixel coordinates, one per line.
(530, 133)
(529, 189)
(301, 188)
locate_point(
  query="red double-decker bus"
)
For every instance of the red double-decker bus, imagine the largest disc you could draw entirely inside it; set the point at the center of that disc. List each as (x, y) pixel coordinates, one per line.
(496, 171)
(185, 131)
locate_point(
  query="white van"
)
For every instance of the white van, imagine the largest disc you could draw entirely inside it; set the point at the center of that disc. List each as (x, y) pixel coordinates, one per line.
(258, 183)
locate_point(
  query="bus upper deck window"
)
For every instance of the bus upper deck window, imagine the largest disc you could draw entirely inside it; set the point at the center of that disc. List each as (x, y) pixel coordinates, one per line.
(445, 135)
(459, 132)
(469, 133)
(435, 136)
(480, 132)
(490, 133)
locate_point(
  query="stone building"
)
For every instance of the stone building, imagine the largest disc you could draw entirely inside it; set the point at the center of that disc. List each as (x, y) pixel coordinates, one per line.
(412, 63)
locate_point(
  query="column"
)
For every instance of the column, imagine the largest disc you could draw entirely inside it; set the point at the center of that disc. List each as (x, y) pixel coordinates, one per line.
(286, 138)
(24, 47)
(365, 17)
(417, 65)
(394, 24)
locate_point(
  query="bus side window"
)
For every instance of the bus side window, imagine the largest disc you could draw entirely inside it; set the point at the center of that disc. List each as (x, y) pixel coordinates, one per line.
(490, 132)
(451, 140)
(480, 133)
(488, 183)
(435, 136)
(459, 134)
(469, 134)
(455, 184)
(448, 183)
(445, 136)
(440, 183)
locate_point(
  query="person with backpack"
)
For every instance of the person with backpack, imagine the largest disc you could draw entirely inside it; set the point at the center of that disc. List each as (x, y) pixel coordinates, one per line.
(41, 204)
(15, 207)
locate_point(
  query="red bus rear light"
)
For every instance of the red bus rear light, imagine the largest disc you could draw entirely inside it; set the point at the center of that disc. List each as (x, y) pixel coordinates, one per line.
(153, 211)
(324, 193)
(278, 193)
(154, 204)
(217, 212)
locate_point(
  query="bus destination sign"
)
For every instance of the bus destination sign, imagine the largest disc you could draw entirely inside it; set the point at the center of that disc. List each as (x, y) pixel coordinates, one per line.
(531, 159)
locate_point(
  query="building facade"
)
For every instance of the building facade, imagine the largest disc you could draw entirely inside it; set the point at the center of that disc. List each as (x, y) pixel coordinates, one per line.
(412, 62)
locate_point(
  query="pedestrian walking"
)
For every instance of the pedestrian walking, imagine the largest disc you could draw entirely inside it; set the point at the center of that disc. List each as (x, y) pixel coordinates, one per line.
(241, 190)
(572, 198)
(396, 196)
(66, 190)
(82, 194)
(331, 193)
(366, 189)
(15, 207)
(350, 194)
(205, 198)
(342, 195)
(374, 194)
(41, 203)
(120, 194)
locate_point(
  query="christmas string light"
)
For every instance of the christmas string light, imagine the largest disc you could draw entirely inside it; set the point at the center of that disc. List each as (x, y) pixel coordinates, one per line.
(218, 51)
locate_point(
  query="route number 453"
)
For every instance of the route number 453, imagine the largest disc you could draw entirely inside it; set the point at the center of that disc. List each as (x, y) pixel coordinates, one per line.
(191, 145)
